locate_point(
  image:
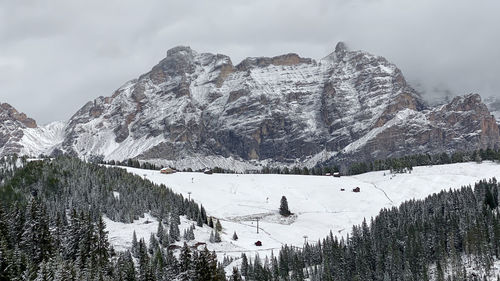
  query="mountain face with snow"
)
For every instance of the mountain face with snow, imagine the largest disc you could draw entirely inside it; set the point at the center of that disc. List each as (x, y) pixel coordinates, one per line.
(21, 135)
(493, 104)
(198, 109)
(12, 125)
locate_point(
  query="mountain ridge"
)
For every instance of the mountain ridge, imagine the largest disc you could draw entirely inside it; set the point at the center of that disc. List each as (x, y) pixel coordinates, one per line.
(199, 110)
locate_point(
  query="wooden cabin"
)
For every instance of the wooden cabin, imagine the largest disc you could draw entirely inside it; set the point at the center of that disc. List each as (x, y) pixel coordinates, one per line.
(197, 245)
(167, 171)
(174, 247)
(208, 171)
(336, 174)
(357, 189)
(258, 243)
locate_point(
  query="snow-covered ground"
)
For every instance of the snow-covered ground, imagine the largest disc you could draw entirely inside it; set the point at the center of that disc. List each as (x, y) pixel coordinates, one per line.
(317, 202)
(42, 139)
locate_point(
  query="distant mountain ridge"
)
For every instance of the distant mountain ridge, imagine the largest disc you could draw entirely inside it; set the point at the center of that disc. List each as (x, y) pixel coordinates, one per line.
(198, 109)
(493, 104)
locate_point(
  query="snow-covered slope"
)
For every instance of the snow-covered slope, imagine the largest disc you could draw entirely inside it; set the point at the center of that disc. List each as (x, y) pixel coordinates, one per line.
(318, 204)
(42, 139)
(20, 134)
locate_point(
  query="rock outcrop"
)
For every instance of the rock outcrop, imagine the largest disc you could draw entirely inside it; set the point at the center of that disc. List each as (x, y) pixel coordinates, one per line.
(12, 124)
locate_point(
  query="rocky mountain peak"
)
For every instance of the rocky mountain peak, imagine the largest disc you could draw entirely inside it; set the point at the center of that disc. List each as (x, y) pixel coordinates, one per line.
(468, 102)
(341, 47)
(7, 112)
(493, 104)
(340, 51)
(180, 51)
(259, 62)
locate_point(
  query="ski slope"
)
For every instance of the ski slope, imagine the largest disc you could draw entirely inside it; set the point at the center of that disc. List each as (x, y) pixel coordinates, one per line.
(318, 204)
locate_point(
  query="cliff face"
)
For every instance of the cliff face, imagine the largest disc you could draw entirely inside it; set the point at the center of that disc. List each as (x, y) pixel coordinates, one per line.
(463, 124)
(198, 109)
(493, 104)
(12, 124)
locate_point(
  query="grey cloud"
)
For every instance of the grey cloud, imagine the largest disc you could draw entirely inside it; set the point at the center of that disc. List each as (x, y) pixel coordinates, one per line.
(72, 52)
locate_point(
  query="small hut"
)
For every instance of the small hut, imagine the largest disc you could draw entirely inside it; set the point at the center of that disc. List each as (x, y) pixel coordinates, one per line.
(173, 247)
(357, 189)
(167, 171)
(336, 174)
(258, 243)
(208, 171)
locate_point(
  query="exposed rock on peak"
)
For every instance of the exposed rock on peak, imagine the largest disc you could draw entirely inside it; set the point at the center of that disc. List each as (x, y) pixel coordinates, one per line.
(341, 47)
(340, 51)
(12, 126)
(180, 50)
(7, 112)
(467, 103)
(493, 104)
(287, 59)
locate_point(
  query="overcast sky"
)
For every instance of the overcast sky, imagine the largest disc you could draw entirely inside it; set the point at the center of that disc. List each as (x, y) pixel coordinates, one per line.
(57, 55)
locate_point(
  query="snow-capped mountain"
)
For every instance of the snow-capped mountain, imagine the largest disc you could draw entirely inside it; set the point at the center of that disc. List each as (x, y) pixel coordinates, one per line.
(20, 134)
(12, 125)
(198, 109)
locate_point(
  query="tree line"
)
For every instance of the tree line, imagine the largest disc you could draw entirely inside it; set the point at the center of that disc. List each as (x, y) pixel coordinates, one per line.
(395, 165)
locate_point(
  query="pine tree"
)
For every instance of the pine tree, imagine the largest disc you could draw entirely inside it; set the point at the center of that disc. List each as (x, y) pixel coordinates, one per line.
(235, 236)
(102, 247)
(218, 226)
(199, 220)
(284, 211)
(160, 233)
(189, 233)
(125, 267)
(44, 273)
(212, 237)
(244, 265)
(203, 215)
(135, 246)
(185, 262)
(63, 272)
(174, 232)
(144, 270)
(217, 238)
(236, 275)
(153, 244)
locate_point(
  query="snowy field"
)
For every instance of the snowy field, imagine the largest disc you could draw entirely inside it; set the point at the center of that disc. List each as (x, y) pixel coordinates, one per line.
(317, 202)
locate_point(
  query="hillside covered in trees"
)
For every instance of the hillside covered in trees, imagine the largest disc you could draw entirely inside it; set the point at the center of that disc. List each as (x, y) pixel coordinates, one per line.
(439, 238)
(51, 228)
(51, 225)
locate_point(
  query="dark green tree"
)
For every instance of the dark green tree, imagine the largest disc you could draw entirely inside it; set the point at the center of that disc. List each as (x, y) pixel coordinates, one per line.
(284, 211)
